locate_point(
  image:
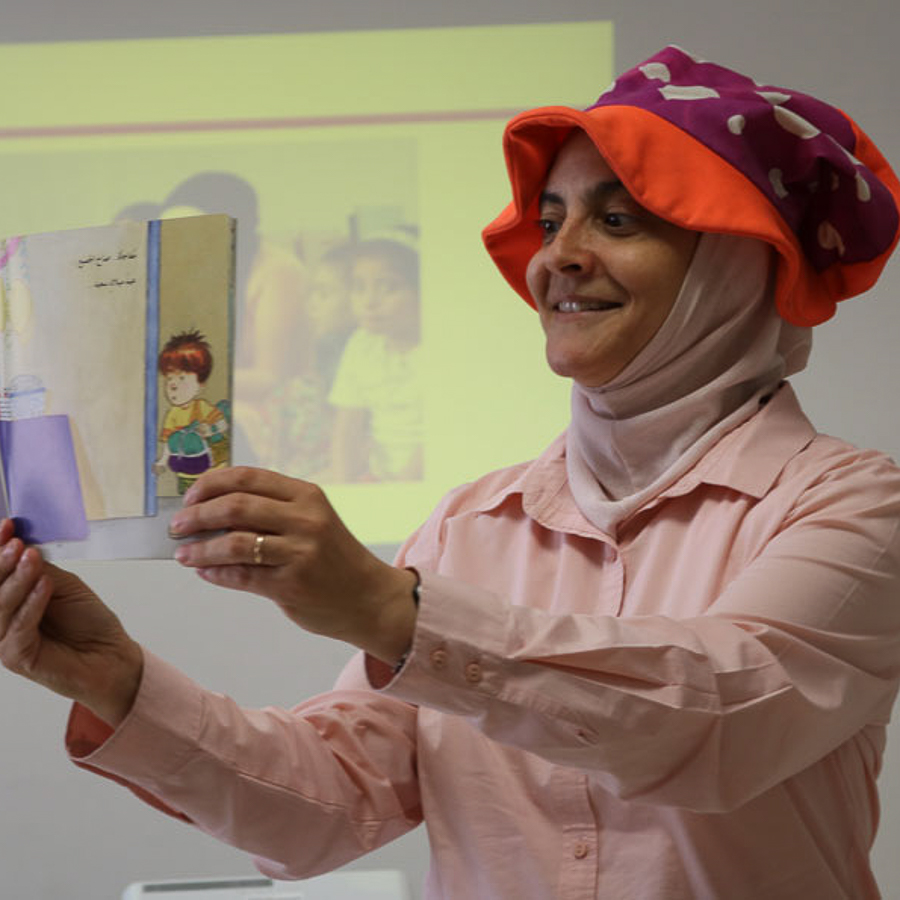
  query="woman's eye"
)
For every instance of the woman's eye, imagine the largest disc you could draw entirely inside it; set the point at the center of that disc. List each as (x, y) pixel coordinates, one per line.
(548, 227)
(620, 223)
(616, 220)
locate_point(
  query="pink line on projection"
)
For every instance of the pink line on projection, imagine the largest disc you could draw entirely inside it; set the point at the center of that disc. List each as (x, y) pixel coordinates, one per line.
(47, 131)
(11, 246)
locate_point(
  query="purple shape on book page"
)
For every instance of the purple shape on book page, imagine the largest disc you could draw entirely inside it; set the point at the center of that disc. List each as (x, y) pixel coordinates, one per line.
(42, 484)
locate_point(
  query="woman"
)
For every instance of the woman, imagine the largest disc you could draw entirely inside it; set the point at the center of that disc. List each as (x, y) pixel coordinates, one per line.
(656, 662)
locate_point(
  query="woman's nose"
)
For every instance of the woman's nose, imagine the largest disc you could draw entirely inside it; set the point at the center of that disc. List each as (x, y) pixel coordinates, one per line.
(570, 251)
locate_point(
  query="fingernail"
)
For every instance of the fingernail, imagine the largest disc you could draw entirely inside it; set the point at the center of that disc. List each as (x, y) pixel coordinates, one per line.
(182, 553)
(175, 525)
(189, 496)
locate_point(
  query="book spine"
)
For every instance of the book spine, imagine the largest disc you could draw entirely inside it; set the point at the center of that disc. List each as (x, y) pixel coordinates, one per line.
(151, 350)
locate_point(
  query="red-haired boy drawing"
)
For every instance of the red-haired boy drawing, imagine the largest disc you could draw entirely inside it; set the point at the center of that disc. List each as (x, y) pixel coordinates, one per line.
(194, 431)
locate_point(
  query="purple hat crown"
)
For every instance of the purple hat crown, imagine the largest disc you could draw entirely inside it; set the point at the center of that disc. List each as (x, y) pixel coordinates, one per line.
(795, 149)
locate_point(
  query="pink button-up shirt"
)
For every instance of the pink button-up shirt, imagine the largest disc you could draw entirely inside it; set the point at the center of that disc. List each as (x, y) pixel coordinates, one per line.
(692, 708)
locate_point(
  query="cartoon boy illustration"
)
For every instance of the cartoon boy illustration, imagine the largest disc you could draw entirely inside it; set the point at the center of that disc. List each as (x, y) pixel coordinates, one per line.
(194, 432)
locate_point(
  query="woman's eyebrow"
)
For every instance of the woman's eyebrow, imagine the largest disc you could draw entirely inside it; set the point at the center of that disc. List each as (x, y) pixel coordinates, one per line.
(597, 194)
(602, 190)
(549, 198)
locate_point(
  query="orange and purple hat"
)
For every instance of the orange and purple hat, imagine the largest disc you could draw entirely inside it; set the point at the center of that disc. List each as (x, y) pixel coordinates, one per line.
(709, 149)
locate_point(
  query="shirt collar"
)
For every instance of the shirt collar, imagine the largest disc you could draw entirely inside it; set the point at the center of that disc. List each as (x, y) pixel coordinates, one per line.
(748, 459)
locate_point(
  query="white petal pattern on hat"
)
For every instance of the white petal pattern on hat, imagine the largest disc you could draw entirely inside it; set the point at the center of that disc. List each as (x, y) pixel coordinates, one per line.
(776, 98)
(830, 238)
(657, 72)
(688, 92)
(847, 153)
(863, 191)
(736, 124)
(775, 177)
(795, 124)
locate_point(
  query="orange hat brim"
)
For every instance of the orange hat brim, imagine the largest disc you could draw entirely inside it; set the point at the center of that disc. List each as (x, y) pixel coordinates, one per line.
(678, 178)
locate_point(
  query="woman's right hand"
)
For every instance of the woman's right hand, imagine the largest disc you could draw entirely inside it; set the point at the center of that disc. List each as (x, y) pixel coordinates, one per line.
(55, 631)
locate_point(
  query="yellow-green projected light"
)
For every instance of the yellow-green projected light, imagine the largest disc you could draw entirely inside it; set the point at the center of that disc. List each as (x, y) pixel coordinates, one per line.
(322, 145)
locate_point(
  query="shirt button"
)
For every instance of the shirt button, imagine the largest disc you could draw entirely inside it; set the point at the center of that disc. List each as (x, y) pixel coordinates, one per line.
(580, 850)
(438, 658)
(473, 673)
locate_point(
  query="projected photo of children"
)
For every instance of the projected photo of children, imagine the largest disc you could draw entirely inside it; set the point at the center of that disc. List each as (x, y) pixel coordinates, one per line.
(377, 389)
(326, 380)
(354, 412)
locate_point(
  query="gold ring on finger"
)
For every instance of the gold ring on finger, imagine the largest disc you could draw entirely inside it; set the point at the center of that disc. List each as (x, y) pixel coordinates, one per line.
(258, 549)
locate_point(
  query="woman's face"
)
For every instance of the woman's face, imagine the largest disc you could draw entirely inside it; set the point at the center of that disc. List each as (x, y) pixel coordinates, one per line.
(608, 271)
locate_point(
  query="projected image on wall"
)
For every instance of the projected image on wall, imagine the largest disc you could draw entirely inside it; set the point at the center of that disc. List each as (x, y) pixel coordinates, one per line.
(368, 316)
(327, 291)
(327, 385)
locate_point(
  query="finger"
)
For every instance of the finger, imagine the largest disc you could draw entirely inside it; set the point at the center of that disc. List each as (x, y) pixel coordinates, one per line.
(7, 530)
(240, 479)
(229, 512)
(9, 599)
(237, 548)
(9, 557)
(238, 578)
(19, 649)
(303, 503)
(24, 570)
(31, 612)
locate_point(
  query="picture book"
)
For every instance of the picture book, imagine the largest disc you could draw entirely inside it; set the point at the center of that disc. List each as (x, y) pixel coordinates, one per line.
(116, 348)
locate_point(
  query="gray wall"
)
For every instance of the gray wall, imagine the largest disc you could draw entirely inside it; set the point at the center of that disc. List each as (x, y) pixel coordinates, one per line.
(64, 833)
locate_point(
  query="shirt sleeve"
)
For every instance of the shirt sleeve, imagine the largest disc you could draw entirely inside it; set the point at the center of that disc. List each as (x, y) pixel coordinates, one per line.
(800, 652)
(304, 790)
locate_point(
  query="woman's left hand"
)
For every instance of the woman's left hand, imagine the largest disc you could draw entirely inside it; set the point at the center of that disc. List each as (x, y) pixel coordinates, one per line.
(282, 539)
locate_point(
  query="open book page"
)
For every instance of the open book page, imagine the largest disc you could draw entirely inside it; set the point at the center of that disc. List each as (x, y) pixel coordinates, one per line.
(195, 350)
(115, 379)
(75, 305)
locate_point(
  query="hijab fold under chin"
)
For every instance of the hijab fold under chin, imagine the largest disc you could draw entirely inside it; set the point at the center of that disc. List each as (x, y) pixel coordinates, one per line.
(720, 351)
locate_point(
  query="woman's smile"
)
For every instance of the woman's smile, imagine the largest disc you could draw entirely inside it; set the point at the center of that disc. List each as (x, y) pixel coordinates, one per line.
(575, 304)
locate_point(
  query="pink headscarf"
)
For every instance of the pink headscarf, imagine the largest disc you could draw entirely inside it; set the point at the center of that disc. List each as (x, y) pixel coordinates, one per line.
(722, 350)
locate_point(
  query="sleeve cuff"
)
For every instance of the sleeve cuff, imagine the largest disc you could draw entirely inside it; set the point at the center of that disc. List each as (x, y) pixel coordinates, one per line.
(151, 742)
(450, 666)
